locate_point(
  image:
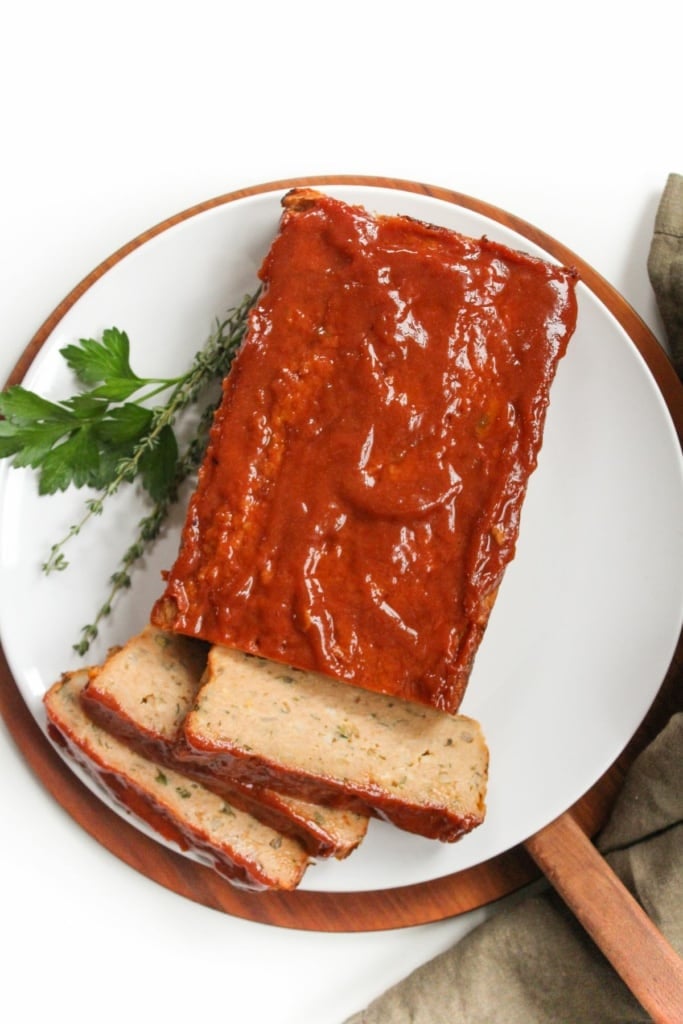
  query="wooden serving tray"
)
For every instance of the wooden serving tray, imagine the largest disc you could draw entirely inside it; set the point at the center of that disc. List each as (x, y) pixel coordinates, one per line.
(345, 911)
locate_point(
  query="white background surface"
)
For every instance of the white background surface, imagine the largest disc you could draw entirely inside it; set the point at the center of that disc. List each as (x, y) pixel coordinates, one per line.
(115, 117)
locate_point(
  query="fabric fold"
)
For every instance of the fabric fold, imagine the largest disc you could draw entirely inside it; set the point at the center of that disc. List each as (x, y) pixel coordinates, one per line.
(665, 265)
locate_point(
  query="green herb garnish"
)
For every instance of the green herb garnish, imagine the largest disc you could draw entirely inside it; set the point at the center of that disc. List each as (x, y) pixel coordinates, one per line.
(111, 433)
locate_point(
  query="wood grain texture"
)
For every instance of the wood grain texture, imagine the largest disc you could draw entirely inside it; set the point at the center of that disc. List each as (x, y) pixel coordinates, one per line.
(366, 911)
(639, 953)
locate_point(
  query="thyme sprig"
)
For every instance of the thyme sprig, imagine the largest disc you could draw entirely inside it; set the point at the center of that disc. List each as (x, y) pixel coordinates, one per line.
(154, 454)
(149, 527)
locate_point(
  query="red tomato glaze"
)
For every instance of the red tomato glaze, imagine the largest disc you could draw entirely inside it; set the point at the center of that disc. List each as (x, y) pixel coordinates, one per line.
(361, 494)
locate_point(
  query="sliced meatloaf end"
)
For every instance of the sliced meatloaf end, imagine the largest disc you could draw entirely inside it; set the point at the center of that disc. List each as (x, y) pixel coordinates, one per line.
(142, 693)
(244, 850)
(317, 737)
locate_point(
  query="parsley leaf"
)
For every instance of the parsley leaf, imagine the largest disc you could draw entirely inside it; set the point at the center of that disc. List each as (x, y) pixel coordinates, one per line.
(124, 424)
(158, 464)
(74, 461)
(80, 441)
(20, 407)
(95, 361)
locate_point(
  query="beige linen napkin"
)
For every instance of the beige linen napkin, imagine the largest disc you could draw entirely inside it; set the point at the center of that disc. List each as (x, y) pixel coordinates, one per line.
(533, 963)
(665, 265)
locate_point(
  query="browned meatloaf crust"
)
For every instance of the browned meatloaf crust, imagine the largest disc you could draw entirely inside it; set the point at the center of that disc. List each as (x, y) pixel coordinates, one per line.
(361, 494)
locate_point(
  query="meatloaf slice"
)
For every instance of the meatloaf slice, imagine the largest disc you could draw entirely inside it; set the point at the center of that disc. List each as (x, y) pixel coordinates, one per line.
(307, 734)
(142, 693)
(361, 494)
(247, 852)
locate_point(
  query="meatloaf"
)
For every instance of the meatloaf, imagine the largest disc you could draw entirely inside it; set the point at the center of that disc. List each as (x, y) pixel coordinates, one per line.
(142, 693)
(324, 739)
(244, 850)
(361, 494)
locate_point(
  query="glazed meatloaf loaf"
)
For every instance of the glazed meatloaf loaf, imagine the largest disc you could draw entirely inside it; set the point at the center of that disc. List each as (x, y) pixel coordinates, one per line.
(247, 852)
(361, 494)
(324, 739)
(142, 693)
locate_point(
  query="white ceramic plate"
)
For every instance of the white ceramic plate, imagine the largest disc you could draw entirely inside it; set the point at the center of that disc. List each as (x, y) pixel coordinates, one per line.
(588, 614)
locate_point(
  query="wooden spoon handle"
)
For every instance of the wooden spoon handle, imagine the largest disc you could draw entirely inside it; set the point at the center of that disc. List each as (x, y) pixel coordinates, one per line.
(639, 953)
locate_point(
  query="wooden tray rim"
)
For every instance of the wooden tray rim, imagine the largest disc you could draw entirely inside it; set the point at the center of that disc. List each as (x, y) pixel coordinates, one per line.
(404, 906)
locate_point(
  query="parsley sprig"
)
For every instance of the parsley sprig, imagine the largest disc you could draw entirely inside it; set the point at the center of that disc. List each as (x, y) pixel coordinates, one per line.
(110, 434)
(82, 440)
